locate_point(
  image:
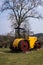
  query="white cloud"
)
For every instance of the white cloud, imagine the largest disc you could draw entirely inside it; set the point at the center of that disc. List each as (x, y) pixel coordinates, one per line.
(36, 25)
(40, 10)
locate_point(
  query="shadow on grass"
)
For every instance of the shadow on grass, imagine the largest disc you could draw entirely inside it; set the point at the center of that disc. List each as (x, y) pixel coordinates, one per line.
(17, 51)
(6, 51)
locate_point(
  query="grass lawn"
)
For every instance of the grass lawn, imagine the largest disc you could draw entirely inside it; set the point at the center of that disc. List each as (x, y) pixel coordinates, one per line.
(30, 58)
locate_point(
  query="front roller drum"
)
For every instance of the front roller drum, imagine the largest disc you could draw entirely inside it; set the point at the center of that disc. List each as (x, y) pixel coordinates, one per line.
(23, 45)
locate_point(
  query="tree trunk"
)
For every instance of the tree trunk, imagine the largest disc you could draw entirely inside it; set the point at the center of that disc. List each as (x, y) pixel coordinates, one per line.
(19, 32)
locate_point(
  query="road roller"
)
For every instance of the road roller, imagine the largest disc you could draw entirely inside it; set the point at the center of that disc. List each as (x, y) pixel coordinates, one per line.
(24, 45)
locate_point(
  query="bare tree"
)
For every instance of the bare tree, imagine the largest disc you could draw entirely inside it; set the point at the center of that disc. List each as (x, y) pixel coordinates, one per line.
(20, 10)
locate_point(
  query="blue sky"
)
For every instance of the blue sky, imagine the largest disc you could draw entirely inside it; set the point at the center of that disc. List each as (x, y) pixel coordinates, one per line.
(35, 24)
(4, 24)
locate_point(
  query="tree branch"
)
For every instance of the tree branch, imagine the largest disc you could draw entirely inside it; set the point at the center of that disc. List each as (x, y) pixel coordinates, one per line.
(28, 11)
(37, 17)
(9, 8)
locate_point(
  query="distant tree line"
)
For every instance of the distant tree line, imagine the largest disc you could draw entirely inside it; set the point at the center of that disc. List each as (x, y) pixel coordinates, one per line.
(5, 41)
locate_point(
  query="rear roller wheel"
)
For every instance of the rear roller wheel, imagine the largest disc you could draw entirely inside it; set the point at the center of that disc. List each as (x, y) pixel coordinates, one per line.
(37, 45)
(23, 46)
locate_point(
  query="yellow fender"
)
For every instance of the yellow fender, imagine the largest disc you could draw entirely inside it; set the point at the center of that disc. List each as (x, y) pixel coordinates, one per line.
(16, 42)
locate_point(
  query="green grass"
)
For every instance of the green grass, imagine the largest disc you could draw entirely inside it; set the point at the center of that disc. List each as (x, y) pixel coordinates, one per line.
(30, 58)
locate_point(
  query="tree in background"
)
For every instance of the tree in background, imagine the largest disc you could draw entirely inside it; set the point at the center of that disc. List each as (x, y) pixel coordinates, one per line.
(20, 11)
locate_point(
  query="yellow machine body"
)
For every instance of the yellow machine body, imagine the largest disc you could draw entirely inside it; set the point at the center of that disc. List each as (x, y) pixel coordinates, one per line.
(31, 40)
(16, 42)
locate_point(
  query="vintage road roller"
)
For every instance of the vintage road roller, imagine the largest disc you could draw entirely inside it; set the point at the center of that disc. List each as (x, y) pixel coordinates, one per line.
(24, 45)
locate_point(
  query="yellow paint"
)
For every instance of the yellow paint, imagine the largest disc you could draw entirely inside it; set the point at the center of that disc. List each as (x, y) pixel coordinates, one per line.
(32, 41)
(16, 42)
